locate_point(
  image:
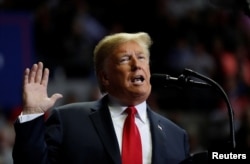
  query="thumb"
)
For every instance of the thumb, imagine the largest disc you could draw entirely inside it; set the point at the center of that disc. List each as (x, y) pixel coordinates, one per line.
(56, 96)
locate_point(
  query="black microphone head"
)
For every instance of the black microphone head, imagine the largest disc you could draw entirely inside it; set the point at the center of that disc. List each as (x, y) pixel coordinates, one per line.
(164, 80)
(158, 79)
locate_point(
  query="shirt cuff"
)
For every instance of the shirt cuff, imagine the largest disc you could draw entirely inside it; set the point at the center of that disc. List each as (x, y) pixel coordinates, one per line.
(28, 117)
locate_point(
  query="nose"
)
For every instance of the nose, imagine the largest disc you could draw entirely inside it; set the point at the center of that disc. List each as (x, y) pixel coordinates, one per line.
(135, 64)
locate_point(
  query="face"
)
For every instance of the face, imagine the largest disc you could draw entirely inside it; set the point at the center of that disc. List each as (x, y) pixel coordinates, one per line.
(126, 74)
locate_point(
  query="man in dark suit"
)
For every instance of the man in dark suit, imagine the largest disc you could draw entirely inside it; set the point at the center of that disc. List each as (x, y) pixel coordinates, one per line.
(92, 132)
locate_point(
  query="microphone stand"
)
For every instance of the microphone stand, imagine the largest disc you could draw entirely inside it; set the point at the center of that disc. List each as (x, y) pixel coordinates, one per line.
(229, 106)
(202, 157)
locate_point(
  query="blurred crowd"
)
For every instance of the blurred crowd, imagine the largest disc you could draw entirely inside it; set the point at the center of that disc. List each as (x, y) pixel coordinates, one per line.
(187, 34)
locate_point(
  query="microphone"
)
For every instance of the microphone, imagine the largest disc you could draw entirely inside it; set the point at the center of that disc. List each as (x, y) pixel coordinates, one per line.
(236, 5)
(182, 81)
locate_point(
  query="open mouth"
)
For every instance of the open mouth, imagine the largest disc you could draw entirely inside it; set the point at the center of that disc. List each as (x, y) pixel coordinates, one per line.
(138, 79)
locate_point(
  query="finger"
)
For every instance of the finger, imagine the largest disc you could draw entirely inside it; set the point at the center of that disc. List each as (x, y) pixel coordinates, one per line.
(26, 76)
(32, 74)
(39, 72)
(45, 77)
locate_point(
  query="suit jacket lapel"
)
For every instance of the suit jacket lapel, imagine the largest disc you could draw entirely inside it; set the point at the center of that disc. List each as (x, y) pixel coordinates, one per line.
(159, 141)
(103, 123)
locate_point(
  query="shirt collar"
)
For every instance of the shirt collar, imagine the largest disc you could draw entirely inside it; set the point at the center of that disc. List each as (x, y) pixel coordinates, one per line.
(117, 109)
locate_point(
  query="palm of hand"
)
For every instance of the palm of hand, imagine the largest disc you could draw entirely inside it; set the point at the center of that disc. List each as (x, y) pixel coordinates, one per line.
(35, 98)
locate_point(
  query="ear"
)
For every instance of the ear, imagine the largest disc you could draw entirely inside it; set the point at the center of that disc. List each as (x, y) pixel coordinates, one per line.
(103, 78)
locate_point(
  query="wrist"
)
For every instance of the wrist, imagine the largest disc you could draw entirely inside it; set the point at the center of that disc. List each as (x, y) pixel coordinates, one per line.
(27, 110)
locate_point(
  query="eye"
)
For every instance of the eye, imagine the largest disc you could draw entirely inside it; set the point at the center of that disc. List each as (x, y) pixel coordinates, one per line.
(124, 59)
(141, 57)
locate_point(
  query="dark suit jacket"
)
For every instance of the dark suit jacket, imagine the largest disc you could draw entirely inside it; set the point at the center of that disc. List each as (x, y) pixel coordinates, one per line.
(83, 133)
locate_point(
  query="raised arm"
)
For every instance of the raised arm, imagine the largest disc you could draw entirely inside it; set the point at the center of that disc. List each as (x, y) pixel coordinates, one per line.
(35, 97)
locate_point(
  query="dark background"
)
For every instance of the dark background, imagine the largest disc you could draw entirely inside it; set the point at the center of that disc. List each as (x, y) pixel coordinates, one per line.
(186, 34)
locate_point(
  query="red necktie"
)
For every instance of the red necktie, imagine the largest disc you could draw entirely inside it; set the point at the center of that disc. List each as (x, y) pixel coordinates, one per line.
(131, 140)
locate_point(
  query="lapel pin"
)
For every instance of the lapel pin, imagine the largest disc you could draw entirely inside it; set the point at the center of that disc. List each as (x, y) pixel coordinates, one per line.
(159, 127)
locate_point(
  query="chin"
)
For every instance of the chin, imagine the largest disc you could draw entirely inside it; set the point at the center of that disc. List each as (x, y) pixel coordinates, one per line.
(142, 94)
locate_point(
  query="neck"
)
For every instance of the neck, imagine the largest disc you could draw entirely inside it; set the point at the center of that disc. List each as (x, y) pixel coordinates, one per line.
(116, 101)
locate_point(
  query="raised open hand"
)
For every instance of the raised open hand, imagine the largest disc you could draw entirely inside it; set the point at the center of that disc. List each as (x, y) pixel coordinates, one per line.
(35, 96)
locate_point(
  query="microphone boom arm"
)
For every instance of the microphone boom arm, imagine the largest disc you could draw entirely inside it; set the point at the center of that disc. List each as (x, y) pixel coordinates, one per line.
(229, 107)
